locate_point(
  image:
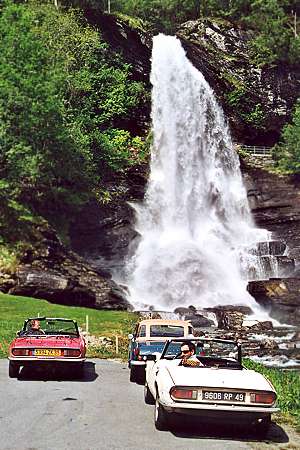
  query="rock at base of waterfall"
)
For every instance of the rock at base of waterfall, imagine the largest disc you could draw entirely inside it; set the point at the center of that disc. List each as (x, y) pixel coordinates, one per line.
(258, 327)
(197, 319)
(269, 345)
(280, 297)
(51, 272)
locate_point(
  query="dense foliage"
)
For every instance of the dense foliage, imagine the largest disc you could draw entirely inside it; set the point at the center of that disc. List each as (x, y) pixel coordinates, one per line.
(62, 97)
(66, 99)
(274, 23)
(287, 152)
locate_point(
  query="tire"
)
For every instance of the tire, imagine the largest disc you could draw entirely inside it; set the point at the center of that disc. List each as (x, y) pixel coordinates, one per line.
(79, 371)
(133, 374)
(148, 397)
(13, 369)
(263, 426)
(160, 417)
(137, 374)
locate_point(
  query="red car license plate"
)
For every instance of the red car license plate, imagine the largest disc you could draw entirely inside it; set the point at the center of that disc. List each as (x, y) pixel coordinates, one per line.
(47, 352)
(223, 396)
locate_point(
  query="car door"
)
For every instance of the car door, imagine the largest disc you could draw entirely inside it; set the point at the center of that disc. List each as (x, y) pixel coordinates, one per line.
(152, 370)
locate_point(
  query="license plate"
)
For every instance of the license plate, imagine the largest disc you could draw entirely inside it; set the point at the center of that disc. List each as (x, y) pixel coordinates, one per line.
(47, 352)
(221, 396)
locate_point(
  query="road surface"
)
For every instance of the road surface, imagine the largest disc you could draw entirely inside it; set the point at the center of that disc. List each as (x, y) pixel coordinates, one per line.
(104, 411)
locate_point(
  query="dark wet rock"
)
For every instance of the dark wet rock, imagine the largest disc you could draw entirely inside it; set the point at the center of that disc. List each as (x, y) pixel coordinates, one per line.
(182, 311)
(51, 272)
(267, 248)
(104, 233)
(246, 310)
(296, 336)
(259, 327)
(280, 296)
(230, 317)
(199, 321)
(274, 202)
(269, 345)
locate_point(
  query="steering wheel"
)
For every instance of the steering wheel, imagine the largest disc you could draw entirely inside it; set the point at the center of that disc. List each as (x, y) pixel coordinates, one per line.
(178, 356)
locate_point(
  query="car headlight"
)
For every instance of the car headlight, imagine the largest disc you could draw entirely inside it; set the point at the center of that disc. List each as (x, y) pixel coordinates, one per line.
(267, 398)
(182, 393)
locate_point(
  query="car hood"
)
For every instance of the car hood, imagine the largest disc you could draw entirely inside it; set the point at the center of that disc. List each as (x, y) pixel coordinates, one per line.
(47, 341)
(218, 378)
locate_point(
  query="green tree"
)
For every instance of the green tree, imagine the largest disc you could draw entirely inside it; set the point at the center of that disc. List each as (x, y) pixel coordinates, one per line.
(60, 89)
(163, 15)
(287, 153)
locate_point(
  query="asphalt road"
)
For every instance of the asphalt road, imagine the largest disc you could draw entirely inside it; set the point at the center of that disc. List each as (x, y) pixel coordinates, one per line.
(42, 411)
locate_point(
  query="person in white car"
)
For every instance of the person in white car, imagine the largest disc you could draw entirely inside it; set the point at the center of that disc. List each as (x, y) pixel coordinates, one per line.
(188, 357)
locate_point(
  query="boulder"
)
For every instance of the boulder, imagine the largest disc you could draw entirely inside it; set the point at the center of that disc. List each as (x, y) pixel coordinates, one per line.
(269, 345)
(280, 296)
(52, 272)
(259, 327)
(198, 321)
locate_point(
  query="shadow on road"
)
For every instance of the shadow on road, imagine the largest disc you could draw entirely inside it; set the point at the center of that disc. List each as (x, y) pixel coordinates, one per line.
(51, 373)
(196, 430)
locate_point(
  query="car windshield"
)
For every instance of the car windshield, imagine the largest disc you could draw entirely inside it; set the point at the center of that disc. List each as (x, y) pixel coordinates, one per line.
(151, 347)
(166, 331)
(206, 349)
(46, 326)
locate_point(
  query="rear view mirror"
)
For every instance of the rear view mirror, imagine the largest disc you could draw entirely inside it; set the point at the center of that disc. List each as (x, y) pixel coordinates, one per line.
(130, 336)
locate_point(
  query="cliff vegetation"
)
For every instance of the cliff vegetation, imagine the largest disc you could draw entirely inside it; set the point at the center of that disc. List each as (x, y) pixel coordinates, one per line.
(71, 103)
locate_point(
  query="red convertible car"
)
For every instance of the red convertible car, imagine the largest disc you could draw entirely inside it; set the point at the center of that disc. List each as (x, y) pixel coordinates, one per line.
(47, 341)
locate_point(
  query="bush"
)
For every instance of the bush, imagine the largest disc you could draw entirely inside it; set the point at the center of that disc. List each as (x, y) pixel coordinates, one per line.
(287, 153)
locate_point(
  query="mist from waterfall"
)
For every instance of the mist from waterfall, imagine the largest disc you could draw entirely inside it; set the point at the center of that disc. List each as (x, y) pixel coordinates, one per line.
(195, 225)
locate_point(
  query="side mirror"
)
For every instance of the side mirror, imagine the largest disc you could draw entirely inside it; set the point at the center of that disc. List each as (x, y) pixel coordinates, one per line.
(130, 336)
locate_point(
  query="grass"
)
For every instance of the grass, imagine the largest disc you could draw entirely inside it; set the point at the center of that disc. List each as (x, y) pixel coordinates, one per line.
(287, 386)
(8, 259)
(15, 309)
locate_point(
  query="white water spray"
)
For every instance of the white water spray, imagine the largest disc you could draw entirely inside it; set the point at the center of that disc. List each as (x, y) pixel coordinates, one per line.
(195, 220)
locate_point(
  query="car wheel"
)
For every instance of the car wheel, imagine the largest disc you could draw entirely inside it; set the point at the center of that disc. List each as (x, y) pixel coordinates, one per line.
(160, 417)
(148, 397)
(79, 370)
(13, 369)
(262, 427)
(133, 374)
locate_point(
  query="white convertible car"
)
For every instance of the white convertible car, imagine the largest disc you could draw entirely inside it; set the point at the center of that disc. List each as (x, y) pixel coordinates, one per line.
(220, 388)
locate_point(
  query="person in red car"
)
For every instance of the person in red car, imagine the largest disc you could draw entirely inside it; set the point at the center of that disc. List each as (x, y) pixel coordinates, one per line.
(35, 328)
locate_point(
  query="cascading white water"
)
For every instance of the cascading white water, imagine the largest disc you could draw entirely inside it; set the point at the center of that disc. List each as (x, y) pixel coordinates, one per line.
(195, 220)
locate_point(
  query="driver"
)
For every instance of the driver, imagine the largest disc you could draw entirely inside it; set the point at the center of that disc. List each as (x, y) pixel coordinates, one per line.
(35, 328)
(188, 357)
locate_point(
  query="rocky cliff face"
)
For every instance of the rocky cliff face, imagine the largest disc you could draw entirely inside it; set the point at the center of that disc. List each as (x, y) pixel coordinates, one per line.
(257, 101)
(275, 204)
(50, 271)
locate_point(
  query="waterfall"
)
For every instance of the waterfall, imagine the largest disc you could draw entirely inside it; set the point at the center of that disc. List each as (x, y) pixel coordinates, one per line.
(195, 222)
